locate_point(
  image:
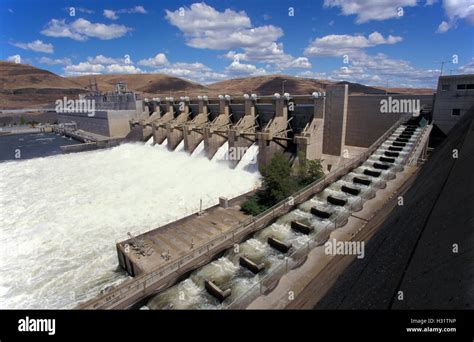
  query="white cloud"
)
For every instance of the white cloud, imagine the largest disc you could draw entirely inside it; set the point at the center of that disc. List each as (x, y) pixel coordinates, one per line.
(113, 14)
(238, 69)
(82, 29)
(338, 45)
(101, 64)
(443, 27)
(273, 53)
(456, 10)
(196, 72)
(123, 69)
(84, 68)
(300, 62)
(14, 59)
(157, 61)
(200, 18)
(101, 59)
(109, 14)
(371, 10)
(463, 9)
(245, 38)
(468, 68)
(57, 61)
(380, 70)
(79, 9)
(36, 45)
(137, 9)
(206, 28)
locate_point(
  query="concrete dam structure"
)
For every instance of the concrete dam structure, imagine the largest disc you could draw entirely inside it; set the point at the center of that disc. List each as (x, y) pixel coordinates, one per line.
(223, 258)
(232, 268)
(325, 126)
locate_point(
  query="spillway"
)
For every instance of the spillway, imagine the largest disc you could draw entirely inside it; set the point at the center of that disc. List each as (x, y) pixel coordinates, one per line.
(150, 141)
(249, 159)
(334, 204)
(60, 216)
(222, 153)
(180, 147)
(199, 150)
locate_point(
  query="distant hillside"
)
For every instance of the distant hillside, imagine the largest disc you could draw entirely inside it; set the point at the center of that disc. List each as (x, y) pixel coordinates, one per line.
(356, 88)
(268, 85)
(147, 84)
(24, 86)
(418, 91)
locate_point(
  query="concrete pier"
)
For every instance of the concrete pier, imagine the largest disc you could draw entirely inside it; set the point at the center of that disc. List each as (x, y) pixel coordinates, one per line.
(160, 131)
(174, 128)
(215, 134)
(194, 130)
(273, 137)
(243, 134)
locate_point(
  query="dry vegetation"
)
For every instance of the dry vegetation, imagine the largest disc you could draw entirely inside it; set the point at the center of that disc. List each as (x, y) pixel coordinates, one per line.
(25, 86)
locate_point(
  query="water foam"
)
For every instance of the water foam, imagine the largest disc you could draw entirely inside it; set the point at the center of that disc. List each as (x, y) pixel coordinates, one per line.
(60, 216)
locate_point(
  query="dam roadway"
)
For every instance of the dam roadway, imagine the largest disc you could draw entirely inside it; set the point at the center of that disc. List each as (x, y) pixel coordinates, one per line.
(151, 279)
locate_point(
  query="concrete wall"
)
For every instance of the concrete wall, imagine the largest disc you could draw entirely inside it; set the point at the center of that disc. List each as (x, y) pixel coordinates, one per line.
(366, 123)
(267, 144)
(98, 123)
(193, 134)
(452, 98)
(119, 122)
(335, 119)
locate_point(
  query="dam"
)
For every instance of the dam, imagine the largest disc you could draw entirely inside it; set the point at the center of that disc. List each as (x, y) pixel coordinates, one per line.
(326, 126)
(255, 244)
(214, 258)
(176, 238)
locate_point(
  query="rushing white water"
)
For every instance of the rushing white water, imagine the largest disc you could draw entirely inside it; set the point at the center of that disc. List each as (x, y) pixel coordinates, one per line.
(199, 150)
(249, 159)
(60, 216)
(150, 141)
(180, 147)
(222, 153)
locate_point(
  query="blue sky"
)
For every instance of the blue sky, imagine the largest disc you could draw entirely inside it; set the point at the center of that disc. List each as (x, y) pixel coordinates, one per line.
(382, 42)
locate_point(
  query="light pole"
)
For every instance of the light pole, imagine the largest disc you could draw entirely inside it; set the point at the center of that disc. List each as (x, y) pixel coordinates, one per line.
(442, 65)
(283, 87)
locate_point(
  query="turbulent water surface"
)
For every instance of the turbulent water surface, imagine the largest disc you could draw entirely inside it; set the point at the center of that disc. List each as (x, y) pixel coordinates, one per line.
(60, 216)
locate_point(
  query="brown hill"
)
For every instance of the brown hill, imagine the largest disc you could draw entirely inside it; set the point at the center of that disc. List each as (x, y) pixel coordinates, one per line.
(268, 85)
(356, 88)
(417, 91)
(24, 86)
(144, 84)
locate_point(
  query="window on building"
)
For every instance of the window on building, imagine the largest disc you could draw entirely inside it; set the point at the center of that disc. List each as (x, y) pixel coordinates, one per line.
(461, 86)
(470, 86)
(445, 87)
(456, 112)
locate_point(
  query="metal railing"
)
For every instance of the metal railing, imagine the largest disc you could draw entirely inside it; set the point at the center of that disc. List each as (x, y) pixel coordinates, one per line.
(419, 146)
(141, 282)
